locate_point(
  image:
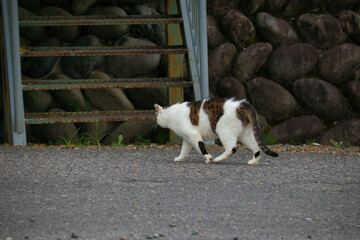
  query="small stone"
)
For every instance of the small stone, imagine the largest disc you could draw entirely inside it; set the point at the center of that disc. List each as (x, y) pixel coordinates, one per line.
(172, 225)
(73, 235)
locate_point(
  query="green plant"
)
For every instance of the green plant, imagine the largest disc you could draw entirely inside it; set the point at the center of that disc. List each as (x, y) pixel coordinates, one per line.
(69, 140)
(119, 141)
(269, 139)
(94, 139)
(83, 141)
(141, 141)
(337, 144)
(310, 142)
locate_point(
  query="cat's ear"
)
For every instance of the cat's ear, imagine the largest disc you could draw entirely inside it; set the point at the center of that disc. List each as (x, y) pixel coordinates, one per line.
(158, 108)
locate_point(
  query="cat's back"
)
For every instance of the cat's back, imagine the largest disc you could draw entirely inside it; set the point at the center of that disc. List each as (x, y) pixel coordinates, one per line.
(210, 111)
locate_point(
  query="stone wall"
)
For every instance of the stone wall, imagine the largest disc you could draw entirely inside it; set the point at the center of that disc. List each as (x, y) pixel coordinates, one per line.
(297, 61)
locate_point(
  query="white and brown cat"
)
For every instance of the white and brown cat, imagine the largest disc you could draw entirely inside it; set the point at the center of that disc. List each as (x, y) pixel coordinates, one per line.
(229, 120)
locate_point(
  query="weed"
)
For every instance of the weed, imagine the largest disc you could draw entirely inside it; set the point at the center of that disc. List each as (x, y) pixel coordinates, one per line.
(95, 139)
(69, 140)
(83, 141)
(337, 144)
(310, 142)
(119, 141)
(140, 141)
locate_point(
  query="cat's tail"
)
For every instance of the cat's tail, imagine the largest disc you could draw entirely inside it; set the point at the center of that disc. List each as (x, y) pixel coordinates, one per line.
(256, 129)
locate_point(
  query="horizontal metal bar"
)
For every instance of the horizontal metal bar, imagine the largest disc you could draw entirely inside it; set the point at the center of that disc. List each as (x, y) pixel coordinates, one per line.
(105, 51)
(81, 117)
(62, 84)
(26, 21)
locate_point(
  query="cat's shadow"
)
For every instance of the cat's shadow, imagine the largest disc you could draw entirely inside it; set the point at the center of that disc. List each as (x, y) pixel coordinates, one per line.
(240, 160)
(194, 161)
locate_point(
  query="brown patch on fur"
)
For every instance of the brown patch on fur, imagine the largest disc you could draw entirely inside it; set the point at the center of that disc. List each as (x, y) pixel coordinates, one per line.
(194, 112)
(244, 115)
(214, 108)
(250, 117)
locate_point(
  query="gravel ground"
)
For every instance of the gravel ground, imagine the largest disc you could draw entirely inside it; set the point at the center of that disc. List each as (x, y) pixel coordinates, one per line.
(309, 192)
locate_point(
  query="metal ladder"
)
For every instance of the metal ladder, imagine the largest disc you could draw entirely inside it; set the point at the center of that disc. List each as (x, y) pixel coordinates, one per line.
(180, 19)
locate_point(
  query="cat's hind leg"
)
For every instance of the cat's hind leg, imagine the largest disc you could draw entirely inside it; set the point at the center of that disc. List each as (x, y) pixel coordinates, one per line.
(229, 141)
(248, 139)
(185, 150)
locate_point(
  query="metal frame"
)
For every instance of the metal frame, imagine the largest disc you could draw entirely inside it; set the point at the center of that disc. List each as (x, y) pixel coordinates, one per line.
(13, 76)
(194, 27)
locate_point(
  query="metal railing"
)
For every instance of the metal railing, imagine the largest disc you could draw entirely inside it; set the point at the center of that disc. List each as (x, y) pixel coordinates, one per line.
(195, 27)
(13, 71)
(195, 34)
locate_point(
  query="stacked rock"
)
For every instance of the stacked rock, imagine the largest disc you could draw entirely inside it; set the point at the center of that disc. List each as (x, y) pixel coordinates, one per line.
(297, 61)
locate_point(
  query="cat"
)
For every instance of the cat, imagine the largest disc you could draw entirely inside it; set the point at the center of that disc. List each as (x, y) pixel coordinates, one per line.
(229, 120)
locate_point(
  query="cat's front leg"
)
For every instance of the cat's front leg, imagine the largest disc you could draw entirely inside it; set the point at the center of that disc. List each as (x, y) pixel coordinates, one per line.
(195, 139)
(185, 150)
(208, 157)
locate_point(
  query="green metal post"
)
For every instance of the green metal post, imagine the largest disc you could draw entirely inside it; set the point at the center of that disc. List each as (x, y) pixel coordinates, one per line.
(12, 52)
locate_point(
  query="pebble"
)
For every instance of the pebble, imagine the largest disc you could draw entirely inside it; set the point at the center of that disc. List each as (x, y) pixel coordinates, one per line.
(73, 235)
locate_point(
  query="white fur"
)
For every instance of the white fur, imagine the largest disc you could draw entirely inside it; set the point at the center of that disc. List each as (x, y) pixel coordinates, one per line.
(229, 129)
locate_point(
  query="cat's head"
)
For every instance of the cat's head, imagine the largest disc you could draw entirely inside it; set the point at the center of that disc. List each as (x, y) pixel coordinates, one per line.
(160, 116)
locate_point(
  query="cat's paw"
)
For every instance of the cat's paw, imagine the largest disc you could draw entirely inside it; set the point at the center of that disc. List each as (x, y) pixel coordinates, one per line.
(209, 158)
(218, 160)
(254, 161)
(179, 159)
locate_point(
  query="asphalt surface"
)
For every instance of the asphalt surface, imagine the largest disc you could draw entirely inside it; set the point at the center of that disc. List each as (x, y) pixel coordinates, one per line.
(143, 194)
